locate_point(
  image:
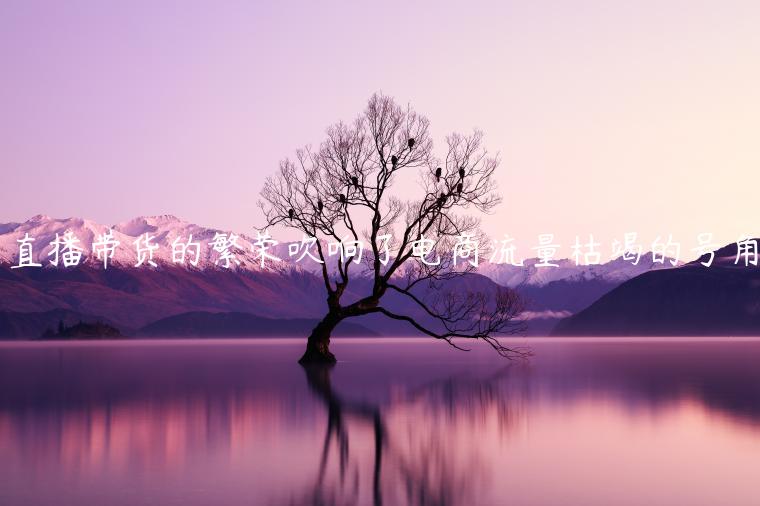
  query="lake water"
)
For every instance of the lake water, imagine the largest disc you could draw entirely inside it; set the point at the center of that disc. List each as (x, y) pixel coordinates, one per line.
(397, 421)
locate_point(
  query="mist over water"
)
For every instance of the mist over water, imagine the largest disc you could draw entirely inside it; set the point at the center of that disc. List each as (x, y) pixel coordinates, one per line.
(397, 421)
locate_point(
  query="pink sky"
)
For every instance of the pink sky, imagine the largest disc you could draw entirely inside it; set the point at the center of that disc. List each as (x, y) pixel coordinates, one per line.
(609, 116)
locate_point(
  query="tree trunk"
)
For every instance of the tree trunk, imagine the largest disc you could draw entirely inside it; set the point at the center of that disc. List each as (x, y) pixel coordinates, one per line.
(318, 344)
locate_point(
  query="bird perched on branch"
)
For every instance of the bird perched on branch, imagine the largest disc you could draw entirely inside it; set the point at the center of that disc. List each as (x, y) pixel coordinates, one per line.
(342, 198)
(291, 212)
(355, 181)
(320, 205)
(394, 160)
(410, 143)
(438, 174)
(461, 172)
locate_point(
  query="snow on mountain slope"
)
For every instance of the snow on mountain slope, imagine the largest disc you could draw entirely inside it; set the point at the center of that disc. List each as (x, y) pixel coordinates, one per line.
(617, 270)
(166, 228)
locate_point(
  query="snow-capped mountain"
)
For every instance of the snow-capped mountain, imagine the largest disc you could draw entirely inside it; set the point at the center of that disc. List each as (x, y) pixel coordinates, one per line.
(163, 231)
(132, 296)
(614, 271)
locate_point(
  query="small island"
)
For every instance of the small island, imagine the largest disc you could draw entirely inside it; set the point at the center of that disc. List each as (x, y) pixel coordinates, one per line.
(82, 330)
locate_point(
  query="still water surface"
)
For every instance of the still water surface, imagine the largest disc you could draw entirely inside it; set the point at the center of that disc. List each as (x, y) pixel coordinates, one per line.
(397, 421)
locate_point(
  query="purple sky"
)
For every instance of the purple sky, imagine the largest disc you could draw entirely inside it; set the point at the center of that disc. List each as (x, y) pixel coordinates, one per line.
(609, 116)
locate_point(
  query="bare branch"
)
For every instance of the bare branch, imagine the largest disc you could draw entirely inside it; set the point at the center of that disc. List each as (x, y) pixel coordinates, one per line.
(343, 190)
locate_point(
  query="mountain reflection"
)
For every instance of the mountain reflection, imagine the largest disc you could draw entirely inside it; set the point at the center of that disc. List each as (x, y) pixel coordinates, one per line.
(396, 423)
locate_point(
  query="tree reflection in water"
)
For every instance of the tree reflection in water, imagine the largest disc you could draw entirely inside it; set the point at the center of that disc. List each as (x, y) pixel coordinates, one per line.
(419, 465)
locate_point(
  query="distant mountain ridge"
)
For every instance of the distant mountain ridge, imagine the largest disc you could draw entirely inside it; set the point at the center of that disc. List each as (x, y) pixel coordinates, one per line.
(132, 298)
(614, 271)
(720, 300)
(166, 228)
(205, 324)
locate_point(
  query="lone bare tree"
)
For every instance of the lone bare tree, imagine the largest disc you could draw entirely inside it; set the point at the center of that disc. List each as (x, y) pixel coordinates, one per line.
(341, 192)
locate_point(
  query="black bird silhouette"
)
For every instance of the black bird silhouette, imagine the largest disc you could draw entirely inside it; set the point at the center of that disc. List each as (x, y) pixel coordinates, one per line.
(291, 212)
(459, 188)
(438, 174)
(394, 160)
(442, 198)
(320, 205)
(461, 172)
(410, 142)
(342, 198)
(355, 181)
